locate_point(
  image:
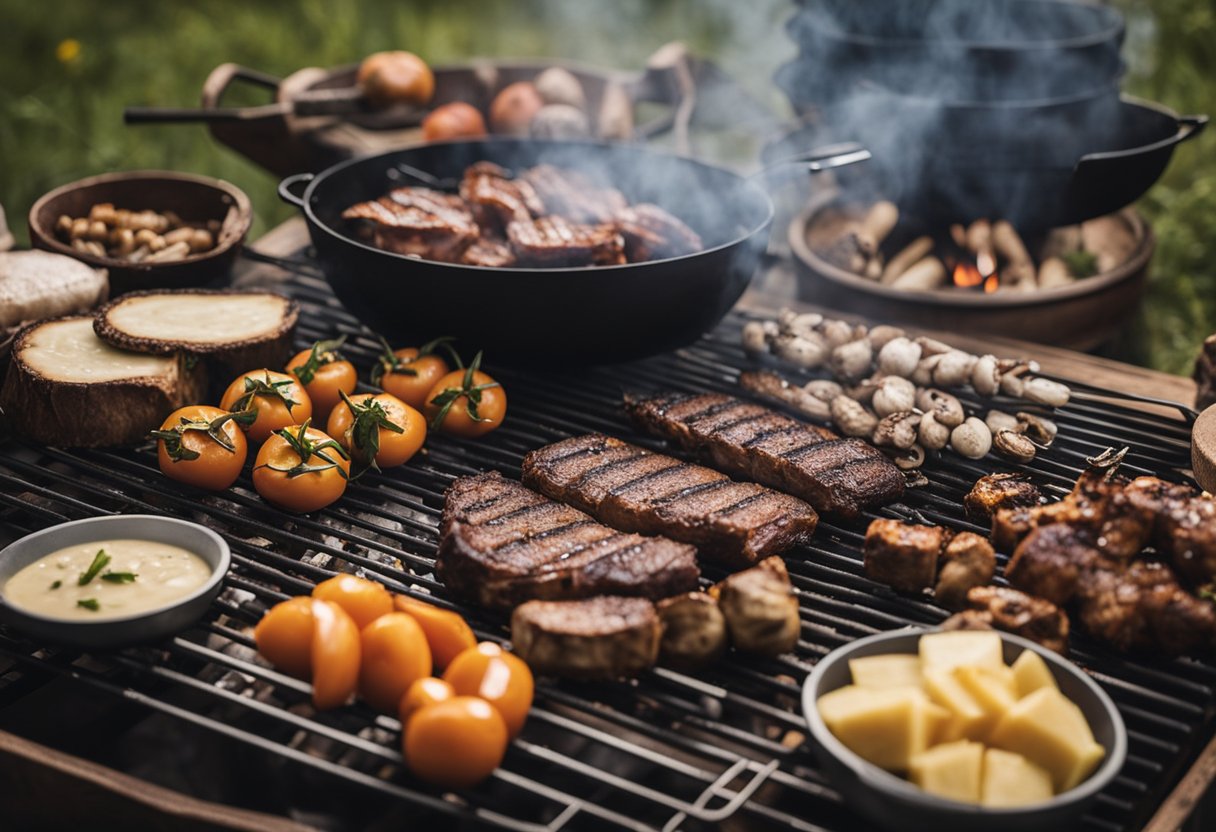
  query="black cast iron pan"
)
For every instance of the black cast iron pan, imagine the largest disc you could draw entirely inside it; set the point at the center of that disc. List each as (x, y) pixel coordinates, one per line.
(593, 315)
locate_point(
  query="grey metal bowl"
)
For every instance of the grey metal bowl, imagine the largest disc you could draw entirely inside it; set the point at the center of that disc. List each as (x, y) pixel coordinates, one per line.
(148, 626)
(894, 803)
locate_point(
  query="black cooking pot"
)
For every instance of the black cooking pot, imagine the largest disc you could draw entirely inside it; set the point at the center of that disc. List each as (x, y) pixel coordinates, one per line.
(595, 315)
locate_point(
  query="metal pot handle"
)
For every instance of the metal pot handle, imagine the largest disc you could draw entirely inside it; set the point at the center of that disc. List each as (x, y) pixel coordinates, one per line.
(285, 188)
(815, 160)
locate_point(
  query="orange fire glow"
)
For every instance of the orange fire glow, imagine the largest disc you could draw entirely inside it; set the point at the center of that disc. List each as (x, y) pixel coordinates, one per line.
(967, 275)
(991, 284)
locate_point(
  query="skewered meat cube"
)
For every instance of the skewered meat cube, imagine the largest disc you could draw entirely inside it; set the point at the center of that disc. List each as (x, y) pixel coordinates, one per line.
(902, 555)
(496, 198)
(997, 491)
(1184, 527)
(694, 630)
(598, 638)
(967, 561)
(1002, 608)
(573, 195)
(555, 241)
(1052, 561)
(760, 608)
(419, 222)
(489, 251)
(653, 234)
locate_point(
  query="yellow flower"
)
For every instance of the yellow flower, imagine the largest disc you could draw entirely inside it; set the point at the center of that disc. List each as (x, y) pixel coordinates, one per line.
(68, 51)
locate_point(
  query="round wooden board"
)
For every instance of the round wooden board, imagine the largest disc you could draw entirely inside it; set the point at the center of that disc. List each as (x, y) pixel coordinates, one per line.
(1203, 449)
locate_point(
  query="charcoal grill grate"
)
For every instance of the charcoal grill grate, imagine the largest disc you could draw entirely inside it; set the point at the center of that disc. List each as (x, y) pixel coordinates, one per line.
(664, 752)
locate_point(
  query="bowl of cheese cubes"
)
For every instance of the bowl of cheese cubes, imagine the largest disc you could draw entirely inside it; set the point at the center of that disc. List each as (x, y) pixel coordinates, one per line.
(961, 730)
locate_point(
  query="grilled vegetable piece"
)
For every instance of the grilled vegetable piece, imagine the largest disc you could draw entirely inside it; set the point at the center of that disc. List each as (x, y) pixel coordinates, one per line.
(997, 491)
(420, 222)
(66, 387)
(836, 476)
(555, 241)
(967, 561)
(502, 544)
(694, 630)
(239, 331)
(902, 555)
(36, 285)
(633, 489)
(1011, 610)
(597, 638)
(760, 608)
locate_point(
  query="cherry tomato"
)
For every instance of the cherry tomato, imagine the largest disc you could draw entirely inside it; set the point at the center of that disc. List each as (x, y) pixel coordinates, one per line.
(363, 600)
(425, 691)
(410, 373)
(466, 402)
(381, 428)
(301, 469)
(498, 677)
(395, 655)
(202, 446)
(513, 109)
(456, 120)
(388, 78)
(278, 399)
(324, 372)
(312, 637)
(456, 743)
(447, 632)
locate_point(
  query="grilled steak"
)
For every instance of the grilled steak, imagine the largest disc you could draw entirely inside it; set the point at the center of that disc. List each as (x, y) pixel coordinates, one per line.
(652, 234)
(555, 241)
(496, 198)
(503, 544)
(599, 638)
(489, 251)
(694, 630)
(574, 195)
(902, 555)
(836, 476)
(997, 491)
(760, 608)
(634, 489)
(420, 222)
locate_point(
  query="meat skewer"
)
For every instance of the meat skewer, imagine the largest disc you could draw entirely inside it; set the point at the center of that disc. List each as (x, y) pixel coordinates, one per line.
(916, 558)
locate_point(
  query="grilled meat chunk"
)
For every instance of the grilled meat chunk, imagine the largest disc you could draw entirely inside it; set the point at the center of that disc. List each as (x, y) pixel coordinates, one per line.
(555, 241)
(496, 198)
(630, 488)
(1052, 561)
(760, 608)
(653, 234)
(1140, 606)
(997, 491)
(1023, 615)
(502, 544)
(902, 555)
(1184, 525)
(836, 476)
(574, 195)
(966, 562)
(419, 222)
(489, 251)
(598, 638)
(694, 630)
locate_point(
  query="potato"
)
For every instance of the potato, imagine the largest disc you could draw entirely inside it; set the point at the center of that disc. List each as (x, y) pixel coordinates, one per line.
(888, 727)
(1049, 730)
(895, 670)
(994, 690)
(962, 647)
(1012, 780)
(951, 770)
(968, 720)
(1032, 673)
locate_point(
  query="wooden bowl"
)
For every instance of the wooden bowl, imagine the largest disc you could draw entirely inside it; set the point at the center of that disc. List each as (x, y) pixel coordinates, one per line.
(193, 198)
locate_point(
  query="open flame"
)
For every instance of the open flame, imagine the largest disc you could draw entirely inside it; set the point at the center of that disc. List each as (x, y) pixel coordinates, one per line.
(970, 276)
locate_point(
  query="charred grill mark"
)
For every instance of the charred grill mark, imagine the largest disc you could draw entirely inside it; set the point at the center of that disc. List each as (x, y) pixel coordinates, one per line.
(768, 434)
(712, 410)
(755, 417)
(524, 541)
(652, 475)
(744, 503)
(518, 513)
(671, 400)
(691, 491)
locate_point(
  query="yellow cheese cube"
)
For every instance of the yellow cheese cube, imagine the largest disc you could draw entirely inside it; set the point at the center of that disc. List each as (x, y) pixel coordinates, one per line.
(994, 691)
(1032, 673)
(967, 719)
(1049, 730)
(1012, 780)
(956, 648)
(951, 770)
(886, 726)
(897, 670)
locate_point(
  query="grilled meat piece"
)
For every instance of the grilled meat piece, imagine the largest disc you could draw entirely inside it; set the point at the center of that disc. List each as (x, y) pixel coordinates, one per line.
(574, 195)
(1184, 525)
(598, 638)
(694, 630)
(760, 608)
(1052, 561)
(966, 562)
(902, 555)
(969, 620)
(555, 241)
(837, 476)
(489, 251)
(634, 489)
(997, 491)
(1023, 615)
(653, 234)
(496, 198)
(502, 544)
(419, 222)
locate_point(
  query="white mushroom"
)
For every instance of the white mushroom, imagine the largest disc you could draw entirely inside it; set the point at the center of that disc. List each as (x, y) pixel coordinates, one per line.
(1013, 445)
(823, 389)
(852, 418)
(1039, 428)
(804, 352)
(899, 357)
(897, 430)
(836, 332)
(892, 395)
(1045, 391)
(923, 374)
(931, 433)
(932, 346)
(910, 459)
(883, 334)
(985, 376)
(999, 420)
(804, 324)
(947, 409)
(971, 439)
(851, 360)
(755, 339)
(954, 369)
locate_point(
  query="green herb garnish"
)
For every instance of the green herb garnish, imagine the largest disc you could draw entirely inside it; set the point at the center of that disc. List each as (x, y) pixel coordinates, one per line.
(322, 353)
(119, 577)
(89, 604)
(306, 448)
(370, 417)
(214, 428)
(57, 584)
(100, 560)
(470, 391)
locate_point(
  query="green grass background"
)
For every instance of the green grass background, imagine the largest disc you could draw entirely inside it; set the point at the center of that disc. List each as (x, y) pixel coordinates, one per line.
(60, 120)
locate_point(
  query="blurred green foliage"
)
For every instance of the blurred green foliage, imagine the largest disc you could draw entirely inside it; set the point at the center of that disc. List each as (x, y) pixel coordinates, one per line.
(61, 104)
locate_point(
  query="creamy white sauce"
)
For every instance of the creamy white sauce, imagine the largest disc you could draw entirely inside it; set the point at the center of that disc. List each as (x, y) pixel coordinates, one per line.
(199, 318)
(164, 573)
(70, 351)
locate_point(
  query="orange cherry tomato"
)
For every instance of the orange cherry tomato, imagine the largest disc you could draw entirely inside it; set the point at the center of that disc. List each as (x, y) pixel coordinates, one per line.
(300, 469)
(498, 677)
(456, 120)
(279, 399)
(425, 691)
(456, 743)
(447, 632)
(466, 402)
(284, 636)
(363, 600)
(410, 373)
(202, 446)
(381, 428)
(395, 655)
(312, 637)
(325, 375)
